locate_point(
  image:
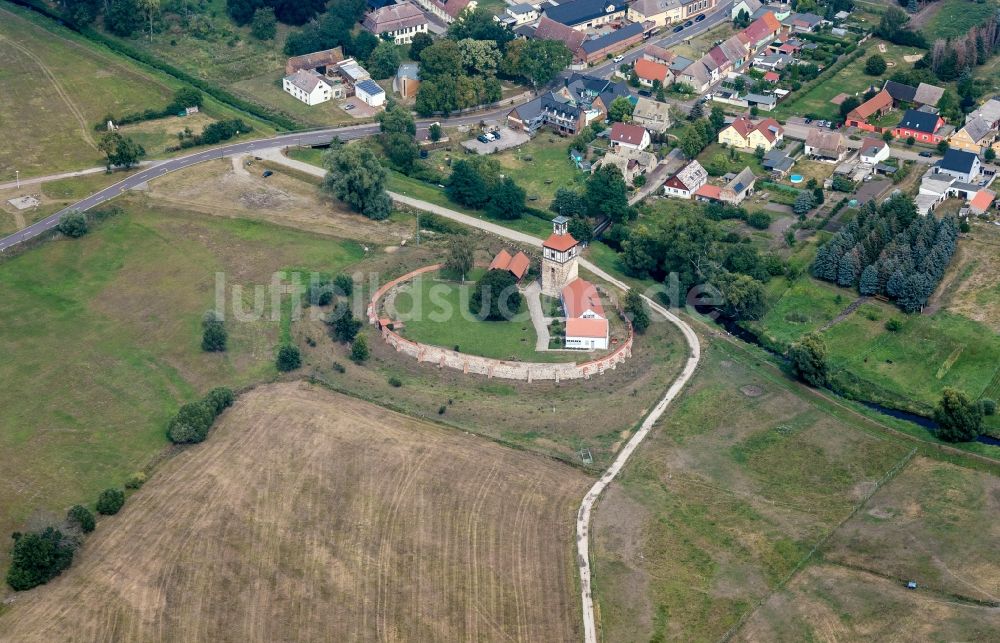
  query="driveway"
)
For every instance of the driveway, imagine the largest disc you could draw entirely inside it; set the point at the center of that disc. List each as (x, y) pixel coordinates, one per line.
(508, 138)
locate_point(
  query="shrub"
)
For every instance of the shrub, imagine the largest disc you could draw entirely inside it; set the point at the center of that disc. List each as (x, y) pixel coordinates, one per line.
(337, 366)
(893, 325)
(759, 220)
(496, 296)
(192, 422)
(395, 382)
(289, 358)
(343, 285)
(80, 517)
(359, 349)
(73, 224)
(442, 409)
(220, 399)
(959, 418)
(214, 336)
(38, 558)
(110, 501)
(136, 480)
(989, 406)
(808, 358)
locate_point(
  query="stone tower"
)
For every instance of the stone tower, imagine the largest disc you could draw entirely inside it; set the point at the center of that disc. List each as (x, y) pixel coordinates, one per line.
(559, 258)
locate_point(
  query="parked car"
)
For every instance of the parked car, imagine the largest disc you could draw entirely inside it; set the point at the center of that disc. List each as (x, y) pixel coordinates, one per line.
(348, 107)
(496, 135)
(678, 28)
(700, 18)
(688, 23)
(482, 139)
(645, 93)
(267, 173)
(619, 58)
(808, 120)
(926, 154)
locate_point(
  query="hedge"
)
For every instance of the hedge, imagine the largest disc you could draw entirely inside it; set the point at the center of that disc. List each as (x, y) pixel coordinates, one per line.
(280, 121)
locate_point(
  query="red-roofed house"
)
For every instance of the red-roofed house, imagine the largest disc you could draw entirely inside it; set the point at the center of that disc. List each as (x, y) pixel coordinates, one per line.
(876, 106)
(586, 324)
(630, 136)
(746, 135)
(708, 192)
(517, 264)
(762, 31)
(772, 76)
(649, 71)
(982, 201)
(589, 334)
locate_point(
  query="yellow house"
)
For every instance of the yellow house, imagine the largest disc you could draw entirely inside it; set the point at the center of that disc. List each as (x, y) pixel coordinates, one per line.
(974, 137)
(744, 134)
(661, 12)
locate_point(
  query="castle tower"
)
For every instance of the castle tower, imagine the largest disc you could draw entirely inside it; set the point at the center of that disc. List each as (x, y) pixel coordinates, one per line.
(559, 258)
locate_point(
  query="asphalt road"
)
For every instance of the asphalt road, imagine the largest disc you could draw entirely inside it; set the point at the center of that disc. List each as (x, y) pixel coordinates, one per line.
(316, 137)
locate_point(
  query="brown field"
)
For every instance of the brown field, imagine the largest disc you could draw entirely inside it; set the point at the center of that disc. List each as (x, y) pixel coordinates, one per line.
(936, 524)
(308, 515)
(235, 188)
(970, 286)
(831, 603)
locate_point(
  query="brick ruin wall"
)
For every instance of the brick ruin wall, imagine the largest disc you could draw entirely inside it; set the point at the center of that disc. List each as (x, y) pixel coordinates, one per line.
(504, 369)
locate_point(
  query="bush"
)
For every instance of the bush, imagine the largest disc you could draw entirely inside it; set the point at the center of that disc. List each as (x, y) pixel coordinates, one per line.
(988, 406)
(39, 557)
(343, 285)
(110, 501)
(337, 366)
(959, 418)
(759, 220)
(395, 382)
(192, 422)
(496, 296)
(893, 325)
(73, 224)
(359, 349)
(289, 358)
(80, 517)
(213, 335)
(136, 480)
(219, 399)
(875, 65)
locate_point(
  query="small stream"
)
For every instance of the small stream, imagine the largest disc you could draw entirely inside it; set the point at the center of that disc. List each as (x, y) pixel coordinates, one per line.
(734, 329)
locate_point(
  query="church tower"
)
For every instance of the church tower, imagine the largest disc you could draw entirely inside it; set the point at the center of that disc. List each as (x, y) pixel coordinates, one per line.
(559, 258)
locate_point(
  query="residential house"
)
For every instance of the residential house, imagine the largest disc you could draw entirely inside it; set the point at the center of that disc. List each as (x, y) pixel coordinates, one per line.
(446, 10)
(651, 114)
(659, 12)
(762, 31)
(585, 14)
(698, 75)
(658, 54)
(974, 137)
(825, 146)
(749, 6)
(648, 72)
(772, 77)
(734, 191)
(309, 86)
(922, 126)
(777, 162)
(597, 49)
(629, 136)
(548, 110)
(900, 92)
(686, 182)
(594, 94)
(922, 94)
(321, 61)
(962, 165)
(736, 51)
(874, 108)
(370, 93)
(874, 151)
(549, 29)
(516, 15)
(692, 8)
(989, 112)
(744, 134)
(630, 162)
(586, 324)
(398, 22)
(772, 62)
(928, 95)
(407, 80)
(802, 22)
(516, 264)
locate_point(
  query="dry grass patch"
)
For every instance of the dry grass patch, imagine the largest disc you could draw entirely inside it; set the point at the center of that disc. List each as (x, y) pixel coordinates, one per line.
(970, 287)
(314, 516)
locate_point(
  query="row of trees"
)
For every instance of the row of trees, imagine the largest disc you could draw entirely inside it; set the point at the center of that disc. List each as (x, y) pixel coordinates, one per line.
(291, 12)
(947, 58)
(194, 419)
(889, 250)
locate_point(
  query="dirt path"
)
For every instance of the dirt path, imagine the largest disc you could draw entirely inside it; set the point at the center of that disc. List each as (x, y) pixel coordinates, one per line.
(84, 128)
(844, 314)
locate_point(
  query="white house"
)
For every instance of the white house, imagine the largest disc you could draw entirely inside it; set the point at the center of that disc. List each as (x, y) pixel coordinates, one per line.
(687, 181)
(398, 22)
(308, 86)
(749, 6)
(960, 164)
(370, 93)
(633, 137)
(518, 14)
(874, 151)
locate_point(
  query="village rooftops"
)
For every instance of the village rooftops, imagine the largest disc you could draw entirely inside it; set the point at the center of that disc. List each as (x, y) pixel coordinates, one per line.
(609, 39)
(958, 161)
(305, 79)
(627, 133)
(591, 328)
(325, 58)
(549, 29)
(517, 264)
(577, 12)
(919, 121)
(393, 18)
(988, 111)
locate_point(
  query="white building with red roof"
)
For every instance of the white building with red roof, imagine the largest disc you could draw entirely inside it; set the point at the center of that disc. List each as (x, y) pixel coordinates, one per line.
(586, 325)
(629, 136)
(560, 254)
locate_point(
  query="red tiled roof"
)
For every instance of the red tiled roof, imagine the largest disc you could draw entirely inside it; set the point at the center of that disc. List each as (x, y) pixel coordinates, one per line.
(649, 70)
(517, 265)
(772, 76)
(559, 242)
(627, 133)
(596, 328)
(549, 29)
(709, 192)
(501, 261)
(579, 296)
(875, 104)
(982, 200)
(761, 28)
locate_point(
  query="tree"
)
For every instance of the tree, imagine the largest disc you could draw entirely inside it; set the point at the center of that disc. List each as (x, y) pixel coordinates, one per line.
(875, 65)
(401, 150)
(717, 118)
(568, 203)
(990, 154)
(73, 224)
(343, 285)
(460, 258)
(869, 280)
(696, 112)
(434, 131)
(479, 56)
(420, 42)
(289, 358)
(359, 349)
(344, 327)
(808, 357)
(637, 311)
(580, 230)
(506, 200)
(37, 558)
(607, 195)
(942, 146)
(538, 61)
(743, 295)
(496, 297)
(803, 203)
(219, 399)
(742, 19)
(910, 141)
(621, 110)
(120, 150)
(192, 422)
(122, 17)
(396, 119)
(110, 501)
(959, 419)
(355, 177)
(82, 12)
(79, 517)
(384, 60)
(849, 105)
(213, 335)
(467, 186)
(817, 195)
(441, 59)
(264, 25)
(479, 24)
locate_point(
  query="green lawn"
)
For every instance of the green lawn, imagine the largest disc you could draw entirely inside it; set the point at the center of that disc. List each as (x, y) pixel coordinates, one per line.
(957, 17)
(101, 343)
(435, 311)
(542, 166)
(849, 80)
(718, 161)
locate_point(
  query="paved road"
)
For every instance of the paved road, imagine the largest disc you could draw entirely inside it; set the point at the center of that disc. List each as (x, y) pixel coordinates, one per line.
(796, 128)
(587, 505)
